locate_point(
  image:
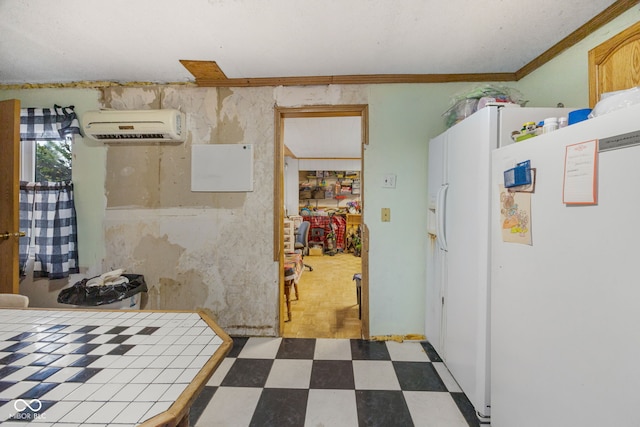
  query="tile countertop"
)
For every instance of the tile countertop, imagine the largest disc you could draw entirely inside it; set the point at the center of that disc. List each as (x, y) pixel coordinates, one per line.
(104, 368)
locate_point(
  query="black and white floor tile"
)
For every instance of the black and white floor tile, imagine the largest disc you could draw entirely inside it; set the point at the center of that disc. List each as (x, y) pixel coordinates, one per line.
(331, 382)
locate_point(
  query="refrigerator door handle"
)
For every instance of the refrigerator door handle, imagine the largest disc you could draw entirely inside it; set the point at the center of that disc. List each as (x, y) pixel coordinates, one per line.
(440, 216)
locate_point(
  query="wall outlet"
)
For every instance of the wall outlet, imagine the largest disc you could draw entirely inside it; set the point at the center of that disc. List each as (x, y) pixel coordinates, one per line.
(389, 181)
(386, 214)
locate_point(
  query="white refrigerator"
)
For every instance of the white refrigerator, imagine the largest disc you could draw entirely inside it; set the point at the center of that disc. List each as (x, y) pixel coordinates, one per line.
(565, 324)
(458, 256)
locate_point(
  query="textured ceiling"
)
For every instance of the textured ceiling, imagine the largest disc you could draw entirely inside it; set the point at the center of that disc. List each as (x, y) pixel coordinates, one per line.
(324, 137)
(44, 41)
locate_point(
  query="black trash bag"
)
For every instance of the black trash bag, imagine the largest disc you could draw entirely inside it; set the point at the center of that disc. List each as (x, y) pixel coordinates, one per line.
(81, 294)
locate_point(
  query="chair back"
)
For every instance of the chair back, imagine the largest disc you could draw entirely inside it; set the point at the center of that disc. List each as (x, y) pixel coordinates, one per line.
(302, 237)
(13, 301)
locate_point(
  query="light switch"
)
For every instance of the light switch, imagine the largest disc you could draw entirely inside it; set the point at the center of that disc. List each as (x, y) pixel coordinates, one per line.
(386, 214)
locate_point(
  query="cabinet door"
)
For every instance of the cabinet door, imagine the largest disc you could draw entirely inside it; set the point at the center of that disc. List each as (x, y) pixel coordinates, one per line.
(613, 65)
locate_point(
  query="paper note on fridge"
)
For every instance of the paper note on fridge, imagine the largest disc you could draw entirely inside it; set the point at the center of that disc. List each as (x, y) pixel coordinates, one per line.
(580, 165)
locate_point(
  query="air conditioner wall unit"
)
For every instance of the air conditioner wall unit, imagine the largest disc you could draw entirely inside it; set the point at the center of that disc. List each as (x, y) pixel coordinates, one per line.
(135, 126)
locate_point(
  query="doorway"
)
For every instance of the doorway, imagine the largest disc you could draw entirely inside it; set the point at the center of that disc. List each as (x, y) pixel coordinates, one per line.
(325, 112)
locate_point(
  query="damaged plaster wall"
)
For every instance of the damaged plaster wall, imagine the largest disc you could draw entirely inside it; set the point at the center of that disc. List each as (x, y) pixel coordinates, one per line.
(211, 251)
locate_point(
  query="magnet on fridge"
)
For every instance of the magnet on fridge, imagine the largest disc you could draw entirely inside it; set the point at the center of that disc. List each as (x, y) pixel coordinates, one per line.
(520, 175)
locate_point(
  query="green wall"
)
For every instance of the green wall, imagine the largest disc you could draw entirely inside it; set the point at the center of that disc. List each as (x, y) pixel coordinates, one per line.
(402, 118)
(88, 169)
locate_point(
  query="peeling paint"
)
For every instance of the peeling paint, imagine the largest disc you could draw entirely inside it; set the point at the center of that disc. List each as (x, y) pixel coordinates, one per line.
(210, 251)
(159, 176)
(132, 176)
(141, 98)
(158, 255)
(223, 93)
(228, 129)
(180, 294)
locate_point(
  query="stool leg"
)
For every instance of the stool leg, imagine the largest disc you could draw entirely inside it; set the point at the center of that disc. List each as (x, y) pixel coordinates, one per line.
(287, 291)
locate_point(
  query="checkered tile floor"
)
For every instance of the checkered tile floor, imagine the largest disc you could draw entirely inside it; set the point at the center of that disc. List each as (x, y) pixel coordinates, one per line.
(331, 382)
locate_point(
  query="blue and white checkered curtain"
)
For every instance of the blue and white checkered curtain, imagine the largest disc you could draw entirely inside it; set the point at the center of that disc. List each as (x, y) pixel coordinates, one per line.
(48, 123)
(48, 215)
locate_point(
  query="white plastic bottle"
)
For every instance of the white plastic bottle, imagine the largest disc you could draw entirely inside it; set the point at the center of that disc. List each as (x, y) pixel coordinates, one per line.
(550, 125)
(562, 122)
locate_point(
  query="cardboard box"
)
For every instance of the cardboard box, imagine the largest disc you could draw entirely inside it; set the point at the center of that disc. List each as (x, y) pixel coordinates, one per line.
(315, 251)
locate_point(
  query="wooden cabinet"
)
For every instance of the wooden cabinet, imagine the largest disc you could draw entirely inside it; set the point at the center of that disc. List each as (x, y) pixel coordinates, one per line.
(353, 220)
(613, 65)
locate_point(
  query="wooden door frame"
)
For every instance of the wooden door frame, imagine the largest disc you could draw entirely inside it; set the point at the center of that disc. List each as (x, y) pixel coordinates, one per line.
(10, 194)
(281, 113)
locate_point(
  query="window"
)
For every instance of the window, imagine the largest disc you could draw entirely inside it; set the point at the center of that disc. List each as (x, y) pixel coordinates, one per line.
(46, 136)
(47, 210)
(46, 160)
